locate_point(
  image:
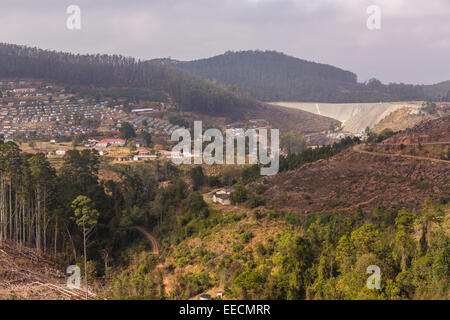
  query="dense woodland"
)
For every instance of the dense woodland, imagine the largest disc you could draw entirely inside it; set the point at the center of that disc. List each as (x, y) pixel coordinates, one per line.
(190, 92)
(38, 204)
(273, 76)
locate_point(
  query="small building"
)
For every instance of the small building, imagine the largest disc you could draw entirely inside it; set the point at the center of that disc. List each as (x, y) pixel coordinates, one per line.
(143, 152)
(174, 154)
(111, 142)
(24, 90)
(144, 157)
(142, 110)
(61, 152)
(139, 143)
(222, 197)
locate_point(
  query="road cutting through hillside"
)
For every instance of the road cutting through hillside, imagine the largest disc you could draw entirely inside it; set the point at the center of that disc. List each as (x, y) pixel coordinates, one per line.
(357, 148)
(151, 238)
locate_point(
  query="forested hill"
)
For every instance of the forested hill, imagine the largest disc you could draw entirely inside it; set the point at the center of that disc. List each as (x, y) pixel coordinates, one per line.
(274, 76)
(190, 92)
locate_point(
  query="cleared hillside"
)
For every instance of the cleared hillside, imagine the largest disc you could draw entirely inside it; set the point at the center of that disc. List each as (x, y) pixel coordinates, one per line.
(354, 179)
(369, 175)
(434, 131)
(27, 275)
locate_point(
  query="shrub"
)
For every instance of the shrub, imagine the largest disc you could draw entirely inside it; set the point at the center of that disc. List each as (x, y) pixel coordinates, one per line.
(239, 195)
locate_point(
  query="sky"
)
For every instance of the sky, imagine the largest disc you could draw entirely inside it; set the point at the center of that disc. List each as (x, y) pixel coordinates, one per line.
(411, 46)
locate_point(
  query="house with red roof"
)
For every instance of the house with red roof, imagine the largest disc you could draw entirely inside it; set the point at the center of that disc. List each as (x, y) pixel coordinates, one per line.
(61, 151)
(143, 152)
(111, 142)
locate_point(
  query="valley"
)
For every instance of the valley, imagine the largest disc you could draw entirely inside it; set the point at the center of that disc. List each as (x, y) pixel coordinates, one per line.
(87, 179)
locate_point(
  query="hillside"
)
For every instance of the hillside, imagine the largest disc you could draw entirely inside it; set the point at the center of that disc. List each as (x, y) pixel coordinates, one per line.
(274, 76)
(355, 179)
(307, 233)
(371, 175)
(434, 131)
(27, 275)
(313, 232)
(189, 92)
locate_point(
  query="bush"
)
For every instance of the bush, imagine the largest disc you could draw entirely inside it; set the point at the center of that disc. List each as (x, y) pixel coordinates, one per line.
(246, 237)
(239, 195)
(255, 202)
(213, 181)
(260, 189)
(274, 215)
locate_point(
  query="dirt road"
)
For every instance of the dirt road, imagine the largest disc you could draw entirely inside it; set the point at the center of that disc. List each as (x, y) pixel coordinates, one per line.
(357, 148)
(151, 238)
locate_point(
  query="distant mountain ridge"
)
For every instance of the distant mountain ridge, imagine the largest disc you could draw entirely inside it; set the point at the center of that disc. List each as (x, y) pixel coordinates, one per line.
(274, 76)
(190, 93)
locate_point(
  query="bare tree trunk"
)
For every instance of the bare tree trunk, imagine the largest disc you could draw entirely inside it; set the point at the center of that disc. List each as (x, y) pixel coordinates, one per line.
(56, 234)
(10, 208)
(73, 244)
(45, 222)
(16, 221)
(38, 219)
(85, 261)
(1, 210)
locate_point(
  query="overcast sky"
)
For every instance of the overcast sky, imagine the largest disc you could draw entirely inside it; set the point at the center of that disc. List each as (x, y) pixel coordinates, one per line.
(413, 45)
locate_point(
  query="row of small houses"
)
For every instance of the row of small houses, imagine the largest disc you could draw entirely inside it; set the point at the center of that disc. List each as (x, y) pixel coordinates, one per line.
(8, 132)
(144, 154)
(165, 127)
(53, 113)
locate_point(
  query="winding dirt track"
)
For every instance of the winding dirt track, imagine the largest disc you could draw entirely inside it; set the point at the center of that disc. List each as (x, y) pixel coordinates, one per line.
(357, 148)
(152, 239)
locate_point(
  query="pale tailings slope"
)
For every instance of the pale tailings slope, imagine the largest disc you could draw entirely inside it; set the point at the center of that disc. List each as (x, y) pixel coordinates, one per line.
(355, 117)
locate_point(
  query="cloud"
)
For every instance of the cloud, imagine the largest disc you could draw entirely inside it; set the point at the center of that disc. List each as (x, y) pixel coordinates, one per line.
(412, 46)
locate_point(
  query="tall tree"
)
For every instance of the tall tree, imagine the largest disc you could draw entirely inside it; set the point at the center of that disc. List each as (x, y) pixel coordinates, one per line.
(86, 218)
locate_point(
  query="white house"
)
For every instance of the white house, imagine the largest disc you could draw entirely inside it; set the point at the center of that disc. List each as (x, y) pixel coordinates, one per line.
(107, 142)
(222, 197)
(61, 152)
(144, 157)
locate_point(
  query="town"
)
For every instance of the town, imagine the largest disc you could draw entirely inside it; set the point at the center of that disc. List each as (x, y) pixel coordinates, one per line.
(44, 117)
(48, 118)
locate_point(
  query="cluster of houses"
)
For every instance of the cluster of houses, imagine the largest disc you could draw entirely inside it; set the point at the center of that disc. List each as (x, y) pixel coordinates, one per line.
(8, 132)
(35, 112)
(155, 125)
(102, 145)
